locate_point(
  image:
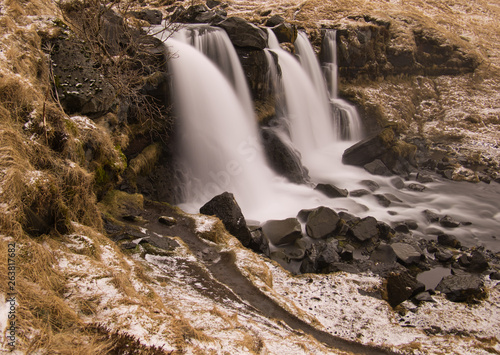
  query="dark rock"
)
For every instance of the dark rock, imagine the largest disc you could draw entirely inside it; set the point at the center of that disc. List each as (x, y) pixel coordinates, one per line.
(331, 191)
(284, 231)
(495, 275)
(385, 231)
(372, 185)
(364, 152)
(423, 178)
(406, 253)
(433, 231)
(423, 297)
(163, 243)
(303, 214)
(382, 200)
(154, 17)
(168, 221)
(464, 260)
(244, 34)
(213, 3)
(295, 251)
(449, 222)
(280, 257)
(196, 14)
(274, 21)
(259, 242)
(283, 159)
(254, 63)
(359, 193)
(447, 174)
(448, 240)
(402, 228)
(265, 13)
(285, 32)
(461, 288)
(398, 183)
(443, 255)
(225, 207)
(401, 286)
(377, 167)
(350, 218)
(322, 222)
(328, 255)
(431, 216)
(365, 229)
(416, 187)
(478, 262)
(383, 254)
(413, 225)
(133, 244)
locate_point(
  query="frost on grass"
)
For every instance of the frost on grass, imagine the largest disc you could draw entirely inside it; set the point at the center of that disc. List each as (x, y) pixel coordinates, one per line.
(349, 305)
(82, 122)
(203, 223)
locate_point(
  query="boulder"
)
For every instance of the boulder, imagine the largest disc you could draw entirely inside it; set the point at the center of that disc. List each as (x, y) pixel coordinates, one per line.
(443, 255)
(377, 167)
(398, 183)
(285, 32)
(385, 231)
(365, 229)
(424, 178)
(213, 3)
(406, 253)
(359, 193)
(154, 17)
(461, 288)
(402, 227)
(331, 190)
(274, 20)
(197, 14)
(383, 254)
(283, 158)
(243, 33)
(225, 207)
(259, 242)
(416, 187)
(322, 222)
(449, 222)
(448, 240)
(369, 149)
(478, 262)
(401, 286)
(371, 185)
(281, 232)
(328, 255)
(431, 216)
(382, 200)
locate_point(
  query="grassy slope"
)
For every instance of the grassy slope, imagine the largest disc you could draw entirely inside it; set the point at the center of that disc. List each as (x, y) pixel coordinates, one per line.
(74, 276)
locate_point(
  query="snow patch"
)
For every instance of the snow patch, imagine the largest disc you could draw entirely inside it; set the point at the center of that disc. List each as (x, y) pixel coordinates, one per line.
(82, 122)
(204, 223)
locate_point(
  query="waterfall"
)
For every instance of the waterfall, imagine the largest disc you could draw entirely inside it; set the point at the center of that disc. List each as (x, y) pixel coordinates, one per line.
(308, 115)
(220, 148)
(214, 43)
(347, 119)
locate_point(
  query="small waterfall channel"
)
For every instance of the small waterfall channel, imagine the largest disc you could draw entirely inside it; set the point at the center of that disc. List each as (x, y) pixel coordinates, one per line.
(221, 150)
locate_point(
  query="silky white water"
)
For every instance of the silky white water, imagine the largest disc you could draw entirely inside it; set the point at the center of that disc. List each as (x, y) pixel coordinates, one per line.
(221, 150)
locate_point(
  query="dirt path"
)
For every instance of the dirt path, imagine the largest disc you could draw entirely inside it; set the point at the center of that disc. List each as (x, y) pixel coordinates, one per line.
(224, 270)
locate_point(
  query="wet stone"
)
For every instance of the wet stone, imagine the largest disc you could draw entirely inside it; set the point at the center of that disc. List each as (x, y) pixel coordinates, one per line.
(398, 183)
(359, 193)
(371, 185)
(431, 216)
(331, 190)
(377, 167)
(382, 200)
(383, 254)
(282, 231)
(448, 240)
(424, 178)
(321, 222)
(449, 222)
(366, 229)
(406, 253)
(461, 288)
(416, 187)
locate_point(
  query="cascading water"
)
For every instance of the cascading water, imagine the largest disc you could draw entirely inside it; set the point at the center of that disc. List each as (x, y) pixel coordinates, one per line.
(221, 148)
(349, 125)
(214, 43)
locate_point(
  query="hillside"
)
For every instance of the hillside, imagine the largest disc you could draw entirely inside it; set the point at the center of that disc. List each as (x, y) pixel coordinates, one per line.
(97, 259)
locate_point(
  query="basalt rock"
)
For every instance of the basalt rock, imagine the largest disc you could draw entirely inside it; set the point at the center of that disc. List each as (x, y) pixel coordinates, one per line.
(281, 232)
(154, 17)
(244, 34)
(322, 222)
(365, 229)
(225, 207)
(377, 167)
(461, 288)
(402, 286)
(283, 158)
(406, 253)
(285, 32)
(331, 190)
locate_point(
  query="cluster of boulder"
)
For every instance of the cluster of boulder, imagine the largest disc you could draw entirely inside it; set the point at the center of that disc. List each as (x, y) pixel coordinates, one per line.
(321, 240)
